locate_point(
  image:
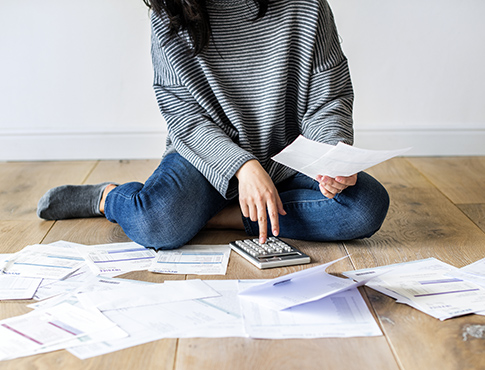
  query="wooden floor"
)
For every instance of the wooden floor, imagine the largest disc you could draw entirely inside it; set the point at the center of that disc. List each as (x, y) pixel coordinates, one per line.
(437, 210)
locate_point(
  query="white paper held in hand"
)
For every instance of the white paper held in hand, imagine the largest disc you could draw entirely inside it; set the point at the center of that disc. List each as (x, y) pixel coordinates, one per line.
(313, 158)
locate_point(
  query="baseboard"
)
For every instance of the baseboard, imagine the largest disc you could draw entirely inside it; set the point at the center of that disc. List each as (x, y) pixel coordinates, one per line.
(142, 145)
(82, 146)
(450, 142)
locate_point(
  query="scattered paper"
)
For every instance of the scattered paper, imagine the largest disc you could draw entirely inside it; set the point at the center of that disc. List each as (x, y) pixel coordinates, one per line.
(148, 323)
(33, 332)
(467, 276)
(227, 302)
(100, 284)
(4, 257)
(298, 288)
(313, 158)
(50, 287)
(14, 287)
(476, 268)
(192, 259)
(117, 258)
(43, 261)
(343, 314)
(91, 313)
(427, 286)
(145, 295)
(474, 273)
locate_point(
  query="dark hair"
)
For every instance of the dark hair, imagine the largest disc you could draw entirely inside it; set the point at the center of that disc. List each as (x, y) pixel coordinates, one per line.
(192, 16)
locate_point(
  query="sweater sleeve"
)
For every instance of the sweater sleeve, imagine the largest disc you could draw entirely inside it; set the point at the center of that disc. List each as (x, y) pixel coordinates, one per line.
(193, 130)
(198, 139)
(328, 117)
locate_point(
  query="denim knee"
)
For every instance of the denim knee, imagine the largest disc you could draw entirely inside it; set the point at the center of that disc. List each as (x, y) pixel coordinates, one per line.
(372, 207)
(158, 222)
(151, 231)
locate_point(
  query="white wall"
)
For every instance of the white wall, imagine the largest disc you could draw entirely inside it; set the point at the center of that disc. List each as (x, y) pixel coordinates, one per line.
(75, 77)
(418, 72)
(76, 81)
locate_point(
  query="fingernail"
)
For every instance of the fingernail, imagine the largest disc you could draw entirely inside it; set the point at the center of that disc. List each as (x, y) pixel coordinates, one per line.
(275, 232)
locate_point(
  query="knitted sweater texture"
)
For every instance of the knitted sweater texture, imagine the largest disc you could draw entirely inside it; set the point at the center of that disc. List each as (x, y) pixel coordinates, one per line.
(258, 85)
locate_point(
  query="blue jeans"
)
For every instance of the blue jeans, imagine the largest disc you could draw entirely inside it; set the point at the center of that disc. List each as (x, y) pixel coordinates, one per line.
(176, 202)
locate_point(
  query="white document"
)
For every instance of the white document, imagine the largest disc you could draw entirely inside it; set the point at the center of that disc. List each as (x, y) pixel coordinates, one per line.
(92, 284)
(44, 261)
(148, 323)
(476, 268)
(148, 294)
(312, 158)
(4, 257)
(427, 286)
(474, 273)
(84, 340)
(66, 244)
(117, 258)
(231, 323)
(15, 287)
(471, 277)
(343, 314)
(33, 332)
(298, 288)
(193, 259)
(50, 288)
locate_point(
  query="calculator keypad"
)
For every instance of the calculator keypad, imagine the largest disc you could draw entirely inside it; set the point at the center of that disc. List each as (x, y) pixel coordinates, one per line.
(273, 253)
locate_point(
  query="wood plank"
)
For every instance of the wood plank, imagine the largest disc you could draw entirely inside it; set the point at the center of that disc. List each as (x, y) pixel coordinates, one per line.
(22, 184)
(461, 179)
(476, 212)
(308, 354)
(422, 223)
(245, 353)
(154, 355)
(87, 231)
(420, 341)
(123, 171)
(15, 235)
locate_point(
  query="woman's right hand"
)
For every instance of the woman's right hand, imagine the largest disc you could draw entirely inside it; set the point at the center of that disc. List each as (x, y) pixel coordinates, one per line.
(259, 198)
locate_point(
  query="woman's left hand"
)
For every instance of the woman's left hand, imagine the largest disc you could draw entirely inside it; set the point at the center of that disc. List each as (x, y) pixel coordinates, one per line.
(330, 186)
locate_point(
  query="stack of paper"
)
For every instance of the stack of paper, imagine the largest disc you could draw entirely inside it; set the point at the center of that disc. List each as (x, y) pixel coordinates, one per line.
(428, 285)
(43, 261)
(14, 287)
(474, 273)
(116, 259)
(61, 326)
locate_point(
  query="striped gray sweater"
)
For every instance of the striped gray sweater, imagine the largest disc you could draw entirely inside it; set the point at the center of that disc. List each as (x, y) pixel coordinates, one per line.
(255, 89)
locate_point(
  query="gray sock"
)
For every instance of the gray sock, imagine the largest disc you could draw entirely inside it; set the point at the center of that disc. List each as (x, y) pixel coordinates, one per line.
(71, 201)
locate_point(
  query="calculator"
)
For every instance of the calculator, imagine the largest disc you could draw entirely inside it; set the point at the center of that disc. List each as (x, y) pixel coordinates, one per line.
(274, 253)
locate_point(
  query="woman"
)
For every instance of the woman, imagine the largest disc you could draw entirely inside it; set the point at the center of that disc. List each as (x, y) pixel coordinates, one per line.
(237, 81)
